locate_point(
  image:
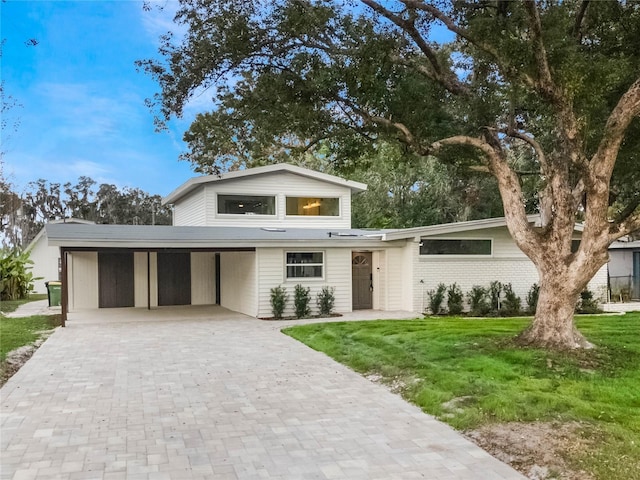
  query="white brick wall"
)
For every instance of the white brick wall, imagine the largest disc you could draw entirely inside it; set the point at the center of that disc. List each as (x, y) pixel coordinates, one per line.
(515, 268)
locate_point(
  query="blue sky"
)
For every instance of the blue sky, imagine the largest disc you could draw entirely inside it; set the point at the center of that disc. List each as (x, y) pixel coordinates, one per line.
(82, 101)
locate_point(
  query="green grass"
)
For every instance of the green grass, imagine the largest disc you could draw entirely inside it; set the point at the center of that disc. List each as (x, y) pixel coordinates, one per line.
(441, 359)
(7, 306)
(17, 332)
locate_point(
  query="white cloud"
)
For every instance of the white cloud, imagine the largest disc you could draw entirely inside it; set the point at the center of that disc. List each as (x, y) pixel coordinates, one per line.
(81, 111)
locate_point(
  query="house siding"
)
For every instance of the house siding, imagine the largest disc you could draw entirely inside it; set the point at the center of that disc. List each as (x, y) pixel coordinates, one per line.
(140, 279)
(379, 259)
(238, 282)
(83, 273)
(203, 278)
(337, 274)
(190, 210)
(45, 264)
(281, 185)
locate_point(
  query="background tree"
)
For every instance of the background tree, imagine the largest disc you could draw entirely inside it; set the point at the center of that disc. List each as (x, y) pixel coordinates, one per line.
(561, 79)
(405, 190)
(24, 216)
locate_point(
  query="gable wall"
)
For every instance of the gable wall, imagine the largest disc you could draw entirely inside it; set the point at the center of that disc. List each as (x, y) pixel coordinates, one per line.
(279, 184)
(45, 263)
(190, 210)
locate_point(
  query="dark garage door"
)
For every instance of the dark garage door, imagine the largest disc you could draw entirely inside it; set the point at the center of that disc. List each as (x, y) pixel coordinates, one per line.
(115, 277)
(174, 279)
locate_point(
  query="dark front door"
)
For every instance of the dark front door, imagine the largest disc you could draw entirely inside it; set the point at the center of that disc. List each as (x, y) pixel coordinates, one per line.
(115, 279)
(174, 279)
(361, 274)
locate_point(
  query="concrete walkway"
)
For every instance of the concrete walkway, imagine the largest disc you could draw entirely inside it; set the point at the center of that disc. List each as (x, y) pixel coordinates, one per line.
(39, 307)
(213, 398)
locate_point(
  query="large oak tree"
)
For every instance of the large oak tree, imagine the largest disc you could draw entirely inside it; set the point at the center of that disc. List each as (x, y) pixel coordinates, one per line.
(471, 81)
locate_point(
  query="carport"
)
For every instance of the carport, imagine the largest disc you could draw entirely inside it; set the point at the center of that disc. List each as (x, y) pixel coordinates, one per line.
(113, 266)
(163, 276)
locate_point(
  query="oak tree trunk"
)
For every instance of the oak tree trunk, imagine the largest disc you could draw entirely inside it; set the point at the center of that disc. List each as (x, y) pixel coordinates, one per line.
(553, 325)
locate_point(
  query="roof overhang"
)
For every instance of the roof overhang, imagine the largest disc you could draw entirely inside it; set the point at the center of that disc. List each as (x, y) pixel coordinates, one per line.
(452, 228)
(143, 237)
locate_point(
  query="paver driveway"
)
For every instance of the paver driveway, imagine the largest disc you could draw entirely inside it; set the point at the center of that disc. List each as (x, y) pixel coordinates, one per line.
(215, 399)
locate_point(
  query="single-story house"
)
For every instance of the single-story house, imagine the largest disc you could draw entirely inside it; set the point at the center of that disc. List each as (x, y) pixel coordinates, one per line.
(236, 236)
(624, 270)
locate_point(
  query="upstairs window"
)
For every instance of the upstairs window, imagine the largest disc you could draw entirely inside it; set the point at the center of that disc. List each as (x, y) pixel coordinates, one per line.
(305, 264)
(246, 205)
(440, 246)
(313, 206)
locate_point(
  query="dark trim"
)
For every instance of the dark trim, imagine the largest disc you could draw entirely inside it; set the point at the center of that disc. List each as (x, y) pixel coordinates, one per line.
(155, 249)
(65, 287)
(148, 280)
(217, 276)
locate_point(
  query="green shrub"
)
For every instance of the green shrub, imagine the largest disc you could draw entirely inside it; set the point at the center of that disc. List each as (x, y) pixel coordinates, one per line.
(588, 304)
(478, 299)
(325, 300)
(301, 299)
(455, 299)
(532, 298)
(436, 297)
(16, 281)
(512, 304)
(279, 299)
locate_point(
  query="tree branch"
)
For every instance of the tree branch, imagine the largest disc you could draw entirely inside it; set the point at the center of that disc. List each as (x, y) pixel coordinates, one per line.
(545, 81)
(451, 25)
(445, 78)
(510, 191)
(512, 132)
(624, 112)
(630, 208)
(631, 224)
(577, 28)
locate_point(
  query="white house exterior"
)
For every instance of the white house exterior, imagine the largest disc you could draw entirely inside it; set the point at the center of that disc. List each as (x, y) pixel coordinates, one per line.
(624, 270)
(237, 236)
(46, 259)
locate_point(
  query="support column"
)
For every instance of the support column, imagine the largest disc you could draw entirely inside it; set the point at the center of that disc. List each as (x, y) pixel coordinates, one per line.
(65, 286)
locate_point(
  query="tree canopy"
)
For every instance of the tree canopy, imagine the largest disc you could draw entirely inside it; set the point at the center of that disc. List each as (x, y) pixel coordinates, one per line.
(23, 216)
(536, 94)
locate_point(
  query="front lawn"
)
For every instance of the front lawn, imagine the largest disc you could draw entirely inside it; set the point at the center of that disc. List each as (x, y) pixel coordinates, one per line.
(467, 373)
(17, 332)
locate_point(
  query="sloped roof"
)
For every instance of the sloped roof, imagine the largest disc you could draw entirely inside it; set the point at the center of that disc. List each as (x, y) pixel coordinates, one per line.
(64, 221)
(193, 183)
(625, 245)
(146, 236)
(447, 228)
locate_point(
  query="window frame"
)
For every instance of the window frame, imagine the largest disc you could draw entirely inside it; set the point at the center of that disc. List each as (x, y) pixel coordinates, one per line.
(304, 279)
(320, 197)
(244, 215)
(458, 255)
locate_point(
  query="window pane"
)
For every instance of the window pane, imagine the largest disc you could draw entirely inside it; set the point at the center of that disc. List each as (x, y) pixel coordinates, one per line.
(246, 205)
(323, 207)
(305, 271)
(304, 257)
(455, 247)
